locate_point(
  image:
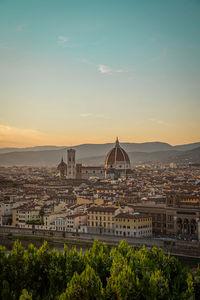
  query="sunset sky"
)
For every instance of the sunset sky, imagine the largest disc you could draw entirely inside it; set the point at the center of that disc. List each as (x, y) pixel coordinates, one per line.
(83, 71)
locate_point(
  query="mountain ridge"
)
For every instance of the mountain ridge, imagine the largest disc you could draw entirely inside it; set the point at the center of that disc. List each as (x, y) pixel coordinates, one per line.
(53, 157)
(144, 147)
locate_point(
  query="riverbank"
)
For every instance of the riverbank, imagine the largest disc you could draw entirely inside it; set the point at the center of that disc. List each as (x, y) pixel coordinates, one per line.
(84, 240)
(7, 240)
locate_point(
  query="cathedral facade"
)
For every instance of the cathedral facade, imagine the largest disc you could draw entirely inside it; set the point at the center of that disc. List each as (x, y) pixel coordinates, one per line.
(117, 165)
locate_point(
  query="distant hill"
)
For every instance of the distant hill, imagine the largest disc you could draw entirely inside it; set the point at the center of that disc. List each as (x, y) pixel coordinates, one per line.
(36, 148)
(87, 150)
(92, 154)
(192, 156)
(186, 147)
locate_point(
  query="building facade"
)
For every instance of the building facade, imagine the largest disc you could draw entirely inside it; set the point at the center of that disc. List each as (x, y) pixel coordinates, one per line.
(133, 224)
(101, 219)
(180, 216)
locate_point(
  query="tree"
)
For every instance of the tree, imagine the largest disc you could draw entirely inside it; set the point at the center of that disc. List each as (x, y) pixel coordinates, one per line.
(25, 295)
(86, 286)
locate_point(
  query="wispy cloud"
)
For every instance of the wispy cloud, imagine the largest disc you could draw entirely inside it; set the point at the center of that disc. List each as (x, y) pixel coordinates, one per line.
(62, 40)
(108, 70)
(20, 27)
(10, 135)
(160, 122)
(85, 115)
(104, 69)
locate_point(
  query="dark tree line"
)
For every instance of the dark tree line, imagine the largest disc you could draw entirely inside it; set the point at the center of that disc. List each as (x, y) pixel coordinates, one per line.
(100, 273)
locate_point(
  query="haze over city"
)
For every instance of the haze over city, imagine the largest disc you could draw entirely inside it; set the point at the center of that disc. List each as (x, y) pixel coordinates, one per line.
(87, 71)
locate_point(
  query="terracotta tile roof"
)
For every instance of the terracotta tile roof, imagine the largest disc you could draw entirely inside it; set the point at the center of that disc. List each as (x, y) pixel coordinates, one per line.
(103, 208)
(132, 215)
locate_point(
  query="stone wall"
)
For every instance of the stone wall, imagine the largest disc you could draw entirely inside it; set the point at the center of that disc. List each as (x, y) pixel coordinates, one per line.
(175, 247)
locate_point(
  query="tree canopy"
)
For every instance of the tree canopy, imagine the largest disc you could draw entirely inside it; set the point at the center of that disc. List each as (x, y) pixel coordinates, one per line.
(99, 273)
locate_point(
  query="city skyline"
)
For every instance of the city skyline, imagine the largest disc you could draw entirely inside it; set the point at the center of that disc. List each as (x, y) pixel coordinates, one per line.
(85, 72)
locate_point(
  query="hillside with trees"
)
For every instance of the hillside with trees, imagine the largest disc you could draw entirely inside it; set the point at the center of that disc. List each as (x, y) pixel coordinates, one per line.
(99, 273)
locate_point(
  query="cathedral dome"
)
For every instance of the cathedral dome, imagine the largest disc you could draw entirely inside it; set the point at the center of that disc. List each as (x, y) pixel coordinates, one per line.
(117, 158)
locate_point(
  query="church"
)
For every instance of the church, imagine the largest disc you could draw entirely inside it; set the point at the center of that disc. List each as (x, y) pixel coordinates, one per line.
(117, 165)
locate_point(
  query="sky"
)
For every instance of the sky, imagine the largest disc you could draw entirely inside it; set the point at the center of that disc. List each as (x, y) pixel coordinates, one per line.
(86, 71)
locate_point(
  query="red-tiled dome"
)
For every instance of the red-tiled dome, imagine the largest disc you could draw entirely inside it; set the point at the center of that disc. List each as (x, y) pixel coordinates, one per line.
(116, 155)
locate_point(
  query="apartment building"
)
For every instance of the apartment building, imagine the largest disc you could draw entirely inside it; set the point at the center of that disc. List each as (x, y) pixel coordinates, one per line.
(101, 219)
(24, 214)
(132, 224)
(71, 223)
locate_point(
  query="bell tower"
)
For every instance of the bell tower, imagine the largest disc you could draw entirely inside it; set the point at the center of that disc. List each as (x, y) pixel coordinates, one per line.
(71, 164)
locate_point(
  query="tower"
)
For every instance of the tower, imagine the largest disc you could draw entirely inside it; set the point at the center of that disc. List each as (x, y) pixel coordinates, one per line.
(71, 164)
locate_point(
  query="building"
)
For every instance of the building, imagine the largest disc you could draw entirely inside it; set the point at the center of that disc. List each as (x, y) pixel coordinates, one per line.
(71, 223)
(179, 216)
(71, 170)
(26, 214)
(183, 216)
(71, 164)
(62, 169)
(132, 224)
(92, 172)
(6, 208)
(157, 212)
(101, 219)
(117, 163)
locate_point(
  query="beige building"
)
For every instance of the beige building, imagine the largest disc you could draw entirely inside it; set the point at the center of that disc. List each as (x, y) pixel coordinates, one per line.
(133, 224)
(23, 215)
(71, 223)
(101, 219)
